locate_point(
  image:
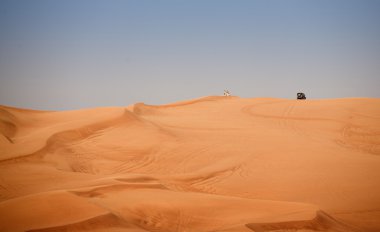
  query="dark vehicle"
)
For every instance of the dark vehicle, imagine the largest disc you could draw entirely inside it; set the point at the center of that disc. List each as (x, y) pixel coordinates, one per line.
(301, 96)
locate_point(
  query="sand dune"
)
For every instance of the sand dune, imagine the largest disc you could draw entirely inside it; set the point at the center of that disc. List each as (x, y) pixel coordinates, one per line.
(210, 164)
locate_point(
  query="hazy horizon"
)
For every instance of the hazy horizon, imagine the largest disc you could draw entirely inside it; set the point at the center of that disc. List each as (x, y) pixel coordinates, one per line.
(57, 55)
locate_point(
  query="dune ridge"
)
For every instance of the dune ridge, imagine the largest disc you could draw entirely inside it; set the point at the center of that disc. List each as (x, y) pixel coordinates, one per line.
(208, 164)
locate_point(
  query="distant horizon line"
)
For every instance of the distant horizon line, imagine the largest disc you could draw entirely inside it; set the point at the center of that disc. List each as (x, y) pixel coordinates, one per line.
(186, 101)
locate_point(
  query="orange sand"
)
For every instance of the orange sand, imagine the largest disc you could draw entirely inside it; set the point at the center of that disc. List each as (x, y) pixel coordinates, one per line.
(212, 164)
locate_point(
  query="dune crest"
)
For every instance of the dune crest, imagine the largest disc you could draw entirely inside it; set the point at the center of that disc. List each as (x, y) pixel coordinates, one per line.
(224, 164)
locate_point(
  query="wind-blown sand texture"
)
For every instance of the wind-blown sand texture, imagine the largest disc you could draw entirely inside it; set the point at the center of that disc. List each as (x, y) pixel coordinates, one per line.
(222, 164)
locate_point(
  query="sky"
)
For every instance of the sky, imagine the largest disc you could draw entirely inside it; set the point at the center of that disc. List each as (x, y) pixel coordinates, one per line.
(72, 54)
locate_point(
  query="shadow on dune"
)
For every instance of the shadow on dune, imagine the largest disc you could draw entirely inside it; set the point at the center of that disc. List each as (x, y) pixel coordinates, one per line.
(107, 222)
(8, 126)
(111, 222)
(322, 222)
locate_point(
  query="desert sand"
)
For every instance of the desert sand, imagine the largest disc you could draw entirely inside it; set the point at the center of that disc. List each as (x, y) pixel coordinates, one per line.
(223, 164)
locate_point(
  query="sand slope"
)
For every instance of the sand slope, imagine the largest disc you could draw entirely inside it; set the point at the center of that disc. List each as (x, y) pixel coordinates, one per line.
(210, 164)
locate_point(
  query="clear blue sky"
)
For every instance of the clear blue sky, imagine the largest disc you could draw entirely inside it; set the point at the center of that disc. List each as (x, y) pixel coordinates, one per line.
(74, 54)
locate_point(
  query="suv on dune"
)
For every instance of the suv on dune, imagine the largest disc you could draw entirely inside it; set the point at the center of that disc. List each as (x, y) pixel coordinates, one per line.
(301, 96)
